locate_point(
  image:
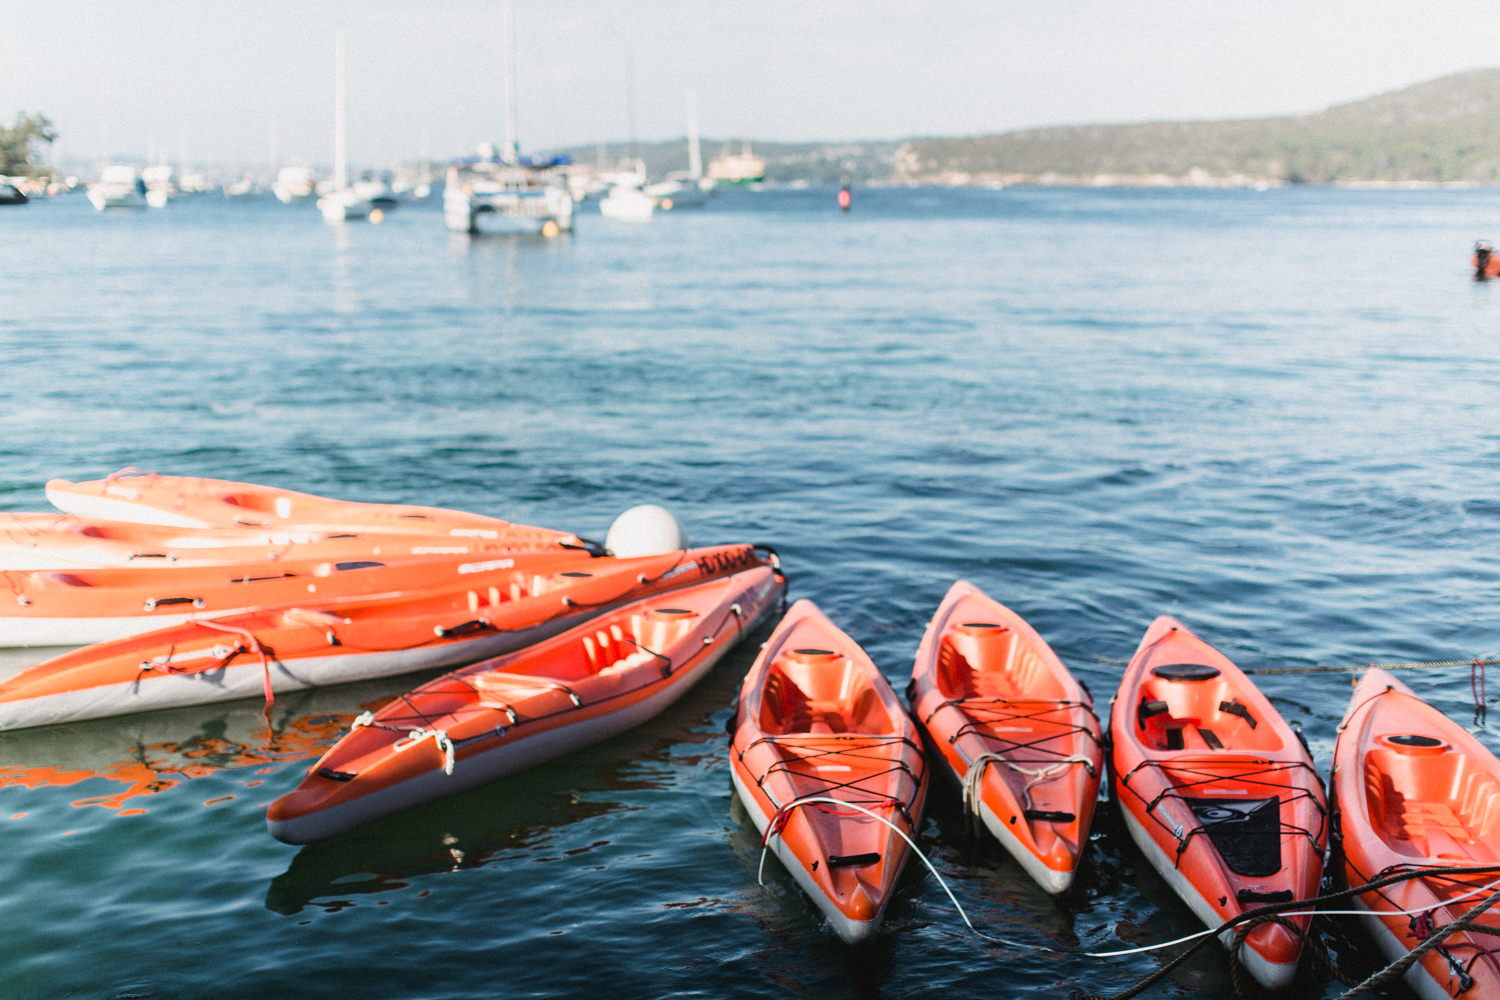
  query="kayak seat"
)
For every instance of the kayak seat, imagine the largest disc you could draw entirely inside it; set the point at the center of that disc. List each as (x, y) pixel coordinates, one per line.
(786, 708)
(987, 662)
(1437, 802)
(1196, 704)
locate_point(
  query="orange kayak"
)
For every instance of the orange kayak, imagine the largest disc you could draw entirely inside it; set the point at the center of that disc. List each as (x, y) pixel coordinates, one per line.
(817, 721)
(295, 646)
(64, 541)
(1218, 792)
(1412, 789)
(69, 607)
(190, 502)
(508, 714)
(1014, 727)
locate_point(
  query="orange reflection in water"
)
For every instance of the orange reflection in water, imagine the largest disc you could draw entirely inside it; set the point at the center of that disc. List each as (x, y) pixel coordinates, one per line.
(150, 769)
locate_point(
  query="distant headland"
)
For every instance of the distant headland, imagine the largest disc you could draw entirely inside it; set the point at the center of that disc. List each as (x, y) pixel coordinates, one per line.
(1442, 132)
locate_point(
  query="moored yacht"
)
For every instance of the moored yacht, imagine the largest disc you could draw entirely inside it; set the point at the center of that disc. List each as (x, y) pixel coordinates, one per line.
(160, 186)
(119, 187)
(296, 183)
(490, 194)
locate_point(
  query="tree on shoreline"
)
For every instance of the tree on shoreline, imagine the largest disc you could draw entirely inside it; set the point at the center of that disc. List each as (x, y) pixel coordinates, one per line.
(15, 143)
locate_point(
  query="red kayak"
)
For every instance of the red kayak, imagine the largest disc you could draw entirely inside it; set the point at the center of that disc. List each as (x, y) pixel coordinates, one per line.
(287, 646)
(1413, 790)
(830, 768)
(1218, 792)
(507, 714)
(1014, 728)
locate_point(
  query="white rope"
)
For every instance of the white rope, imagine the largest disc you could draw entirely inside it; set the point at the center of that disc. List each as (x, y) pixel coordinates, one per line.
(1302, 913)
(363, 719)
(439, 736)
(1038, 775)
(771, 831)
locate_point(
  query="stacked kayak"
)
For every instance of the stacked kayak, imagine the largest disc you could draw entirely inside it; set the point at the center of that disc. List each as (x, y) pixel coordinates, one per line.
(454, 616)
(1218, 792)
(190, 502)
(507, 714)
(1413, 790)
(65, 541)
(1014, 727)
(830, 769)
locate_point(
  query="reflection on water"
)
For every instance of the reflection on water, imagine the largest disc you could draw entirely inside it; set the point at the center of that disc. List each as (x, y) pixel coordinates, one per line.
(510, 820)
(150, 753)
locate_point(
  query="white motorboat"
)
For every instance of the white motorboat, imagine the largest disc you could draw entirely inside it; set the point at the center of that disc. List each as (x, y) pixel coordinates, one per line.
(119, 187)
(160, 186)
(377, 192)
(245, 187)
(497, 192)
(343, 203)
(627, 203)
(295, 183)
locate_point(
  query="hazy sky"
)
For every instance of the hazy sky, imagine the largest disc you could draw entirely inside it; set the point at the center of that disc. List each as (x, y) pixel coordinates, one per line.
(237, 81)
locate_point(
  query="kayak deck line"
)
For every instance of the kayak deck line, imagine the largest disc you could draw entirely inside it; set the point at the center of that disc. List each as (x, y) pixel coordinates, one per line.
(1172, 769)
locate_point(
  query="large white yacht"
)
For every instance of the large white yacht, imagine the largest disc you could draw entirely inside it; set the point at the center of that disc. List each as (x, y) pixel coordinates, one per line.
(343, 203)
(119, 187)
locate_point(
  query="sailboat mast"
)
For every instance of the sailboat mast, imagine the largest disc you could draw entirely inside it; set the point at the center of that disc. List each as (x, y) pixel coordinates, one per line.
(695, 155)
(340, 158)
(512, 143)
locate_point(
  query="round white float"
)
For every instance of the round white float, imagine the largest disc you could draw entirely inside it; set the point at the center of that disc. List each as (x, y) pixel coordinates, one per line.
(647, 530)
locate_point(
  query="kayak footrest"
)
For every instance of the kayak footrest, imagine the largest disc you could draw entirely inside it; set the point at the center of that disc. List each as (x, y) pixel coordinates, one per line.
(1049, 816)
(1252, 896)
(332, 775)
(853, 860)
(1235, 708)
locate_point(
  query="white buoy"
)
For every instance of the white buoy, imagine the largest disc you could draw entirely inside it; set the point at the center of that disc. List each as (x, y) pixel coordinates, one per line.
(647, 530)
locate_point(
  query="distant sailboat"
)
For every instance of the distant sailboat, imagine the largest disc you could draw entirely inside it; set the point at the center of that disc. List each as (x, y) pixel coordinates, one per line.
(689, 190)
(502, 191)
(343, 203)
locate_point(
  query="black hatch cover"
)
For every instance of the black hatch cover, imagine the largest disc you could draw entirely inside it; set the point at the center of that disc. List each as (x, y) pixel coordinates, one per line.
(1245, 832)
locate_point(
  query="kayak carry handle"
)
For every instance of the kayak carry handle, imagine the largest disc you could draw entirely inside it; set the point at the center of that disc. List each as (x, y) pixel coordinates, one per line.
(152, 603)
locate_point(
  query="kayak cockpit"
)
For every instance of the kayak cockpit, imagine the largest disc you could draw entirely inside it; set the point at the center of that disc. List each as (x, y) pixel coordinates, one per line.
(820, 692)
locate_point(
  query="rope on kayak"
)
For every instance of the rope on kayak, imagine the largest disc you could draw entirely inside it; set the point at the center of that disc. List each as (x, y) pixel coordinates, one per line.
(800, 752)
(1172, 773)
(1204, 937)
(975, 774)
(253, 647)
(438, 736)
(774, 828)
(1304, 913)
(1398, 968)
(1475, 662)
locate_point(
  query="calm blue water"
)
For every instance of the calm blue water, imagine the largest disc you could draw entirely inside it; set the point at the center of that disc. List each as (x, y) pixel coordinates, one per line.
(1273, 415)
